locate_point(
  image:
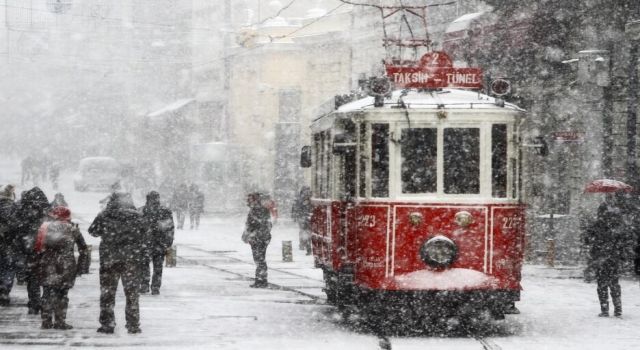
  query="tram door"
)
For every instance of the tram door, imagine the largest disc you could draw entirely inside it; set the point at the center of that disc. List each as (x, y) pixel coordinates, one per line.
(344, 150)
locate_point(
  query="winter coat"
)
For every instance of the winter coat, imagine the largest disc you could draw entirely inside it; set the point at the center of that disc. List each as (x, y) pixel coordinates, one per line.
(7, 220)
(301, 213)
(259, 223)
(180, 199)
(120, 228)
(31, 211)
(56, 259)
(158, 225)
(609, 241)
(196, 202)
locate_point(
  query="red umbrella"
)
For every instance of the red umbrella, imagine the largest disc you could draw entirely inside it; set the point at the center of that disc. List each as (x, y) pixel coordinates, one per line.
(607, 186)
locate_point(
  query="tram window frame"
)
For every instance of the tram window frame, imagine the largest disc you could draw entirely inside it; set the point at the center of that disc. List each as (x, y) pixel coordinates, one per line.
(410, 153)
(317, 162)
(458, 174)
(380, 159)
(499, 160)
(362, 159)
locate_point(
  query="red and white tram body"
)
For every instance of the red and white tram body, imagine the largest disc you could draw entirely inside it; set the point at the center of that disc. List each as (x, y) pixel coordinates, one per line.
(419, 198)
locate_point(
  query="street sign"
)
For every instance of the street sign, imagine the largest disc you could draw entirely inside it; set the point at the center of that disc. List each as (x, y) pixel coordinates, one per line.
(568, 136)
(434, 70)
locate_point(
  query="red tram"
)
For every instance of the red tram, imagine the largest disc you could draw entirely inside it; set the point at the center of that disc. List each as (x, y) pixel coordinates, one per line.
(416, 199)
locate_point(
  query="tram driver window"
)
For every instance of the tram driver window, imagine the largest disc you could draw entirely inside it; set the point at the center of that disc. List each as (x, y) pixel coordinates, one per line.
(380, 160)
(462, 160)
(419, 160)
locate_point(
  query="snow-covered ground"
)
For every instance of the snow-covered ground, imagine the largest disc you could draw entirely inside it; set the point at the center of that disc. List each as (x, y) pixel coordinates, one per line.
(205, 303)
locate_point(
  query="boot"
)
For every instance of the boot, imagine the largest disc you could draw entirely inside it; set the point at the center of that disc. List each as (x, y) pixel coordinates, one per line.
(134, 330)
(144, 289)
(617, 307)
(105, 330)
(604, 310)
(62, 325)
(46, 324)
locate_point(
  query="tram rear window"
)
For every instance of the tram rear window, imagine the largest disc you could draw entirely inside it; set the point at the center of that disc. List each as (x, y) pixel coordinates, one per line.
(499, 160)
(462, 160)
(380, 160)
(419, 160)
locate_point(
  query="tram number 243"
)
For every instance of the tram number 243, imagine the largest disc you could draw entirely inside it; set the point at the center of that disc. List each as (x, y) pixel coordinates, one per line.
(367, 221)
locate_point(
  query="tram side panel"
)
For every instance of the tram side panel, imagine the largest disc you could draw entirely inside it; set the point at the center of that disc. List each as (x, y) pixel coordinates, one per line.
(508, 225)
(370, 249)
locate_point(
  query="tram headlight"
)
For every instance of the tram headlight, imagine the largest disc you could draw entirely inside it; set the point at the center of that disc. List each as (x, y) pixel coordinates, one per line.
(439, 251)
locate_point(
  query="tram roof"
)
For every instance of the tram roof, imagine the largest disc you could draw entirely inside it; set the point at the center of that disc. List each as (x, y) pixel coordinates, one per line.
(435, 99)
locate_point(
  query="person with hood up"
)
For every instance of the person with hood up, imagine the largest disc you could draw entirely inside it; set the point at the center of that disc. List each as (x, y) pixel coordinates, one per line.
(120, 229)
(31, 211)
(258, 235)
(159, 231)
(7, 254)
(59, 201)
(55, 245)
(609, 244)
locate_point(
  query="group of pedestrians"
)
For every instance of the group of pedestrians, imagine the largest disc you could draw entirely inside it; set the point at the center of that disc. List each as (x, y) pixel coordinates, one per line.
(187, 200)
(37, 243)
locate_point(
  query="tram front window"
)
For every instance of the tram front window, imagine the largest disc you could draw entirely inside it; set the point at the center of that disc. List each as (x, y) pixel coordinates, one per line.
(461, 160)
(380, 160)
(419, 160)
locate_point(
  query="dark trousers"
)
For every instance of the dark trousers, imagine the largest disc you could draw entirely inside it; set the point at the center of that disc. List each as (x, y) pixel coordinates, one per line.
(194, 219)
(54, 304)
(157, 259)
(110, 274)
(606, 285)
(259, 251)
(7, 274)
(180, 218)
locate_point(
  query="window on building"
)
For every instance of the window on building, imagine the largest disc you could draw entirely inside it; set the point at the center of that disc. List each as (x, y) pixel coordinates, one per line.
(380, 160)
(461, 160)
(419, 153)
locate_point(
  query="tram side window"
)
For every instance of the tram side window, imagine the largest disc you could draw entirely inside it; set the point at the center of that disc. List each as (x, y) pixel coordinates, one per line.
(419, 160)
(317, 174)
(380, 160)
(363, 161)
(462, 160)
(499, 140)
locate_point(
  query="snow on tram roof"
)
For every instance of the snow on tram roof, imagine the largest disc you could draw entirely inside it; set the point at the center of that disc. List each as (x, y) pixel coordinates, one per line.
(447, 98)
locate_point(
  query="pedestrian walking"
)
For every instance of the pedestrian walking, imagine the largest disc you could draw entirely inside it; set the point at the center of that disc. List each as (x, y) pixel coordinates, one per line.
(196, 206)
(7, 254)
(159, 230)
(610, 244)
(58, 269)
(119, 227)
(31, 211)
(301, 213)
(258, 235)
(180, 204)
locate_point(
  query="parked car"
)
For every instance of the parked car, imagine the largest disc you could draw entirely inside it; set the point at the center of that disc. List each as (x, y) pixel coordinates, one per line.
(97, 174)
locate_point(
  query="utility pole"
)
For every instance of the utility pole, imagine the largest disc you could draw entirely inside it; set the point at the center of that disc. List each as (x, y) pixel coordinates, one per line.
(226, 43)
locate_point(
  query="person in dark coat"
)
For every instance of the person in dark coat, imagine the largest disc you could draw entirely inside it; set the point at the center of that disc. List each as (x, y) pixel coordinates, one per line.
(120, 229)
(55, 245)
(301, 213)
(180, 204)
(31, 212)
(159, 230)
(609, 243)
(7, 254)
(258, 235)
(196, 206)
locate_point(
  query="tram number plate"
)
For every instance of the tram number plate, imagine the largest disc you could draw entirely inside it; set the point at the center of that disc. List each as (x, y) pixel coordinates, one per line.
(511, 222)
(367, 221)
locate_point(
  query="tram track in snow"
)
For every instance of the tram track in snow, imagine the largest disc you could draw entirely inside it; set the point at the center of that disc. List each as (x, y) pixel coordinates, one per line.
(385, 342)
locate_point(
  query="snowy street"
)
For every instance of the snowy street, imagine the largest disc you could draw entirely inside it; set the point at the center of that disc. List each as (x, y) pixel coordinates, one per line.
(206, 302)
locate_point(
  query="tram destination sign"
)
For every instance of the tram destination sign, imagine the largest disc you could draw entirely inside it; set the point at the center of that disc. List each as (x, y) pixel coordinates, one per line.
(433, 71)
